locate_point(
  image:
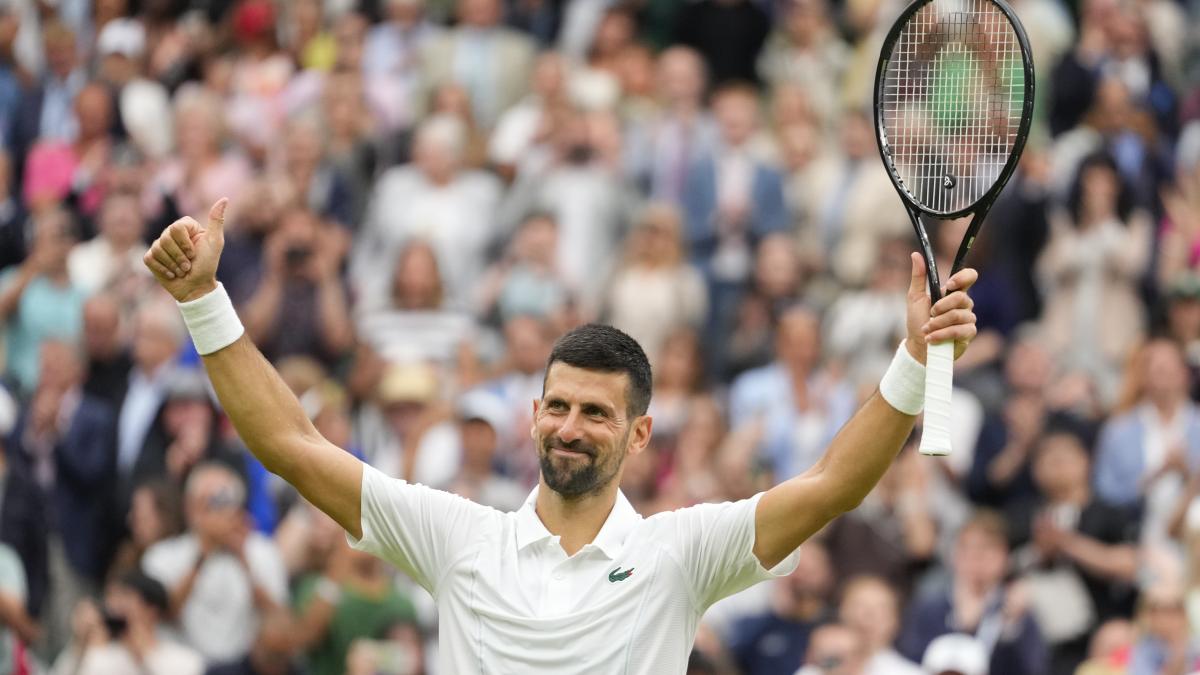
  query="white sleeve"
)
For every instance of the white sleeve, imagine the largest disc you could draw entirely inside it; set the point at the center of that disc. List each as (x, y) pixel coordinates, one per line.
(714, 545)
(416, 528)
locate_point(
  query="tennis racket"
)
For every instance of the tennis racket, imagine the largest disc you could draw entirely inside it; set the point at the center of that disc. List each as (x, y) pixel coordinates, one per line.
(953, 105)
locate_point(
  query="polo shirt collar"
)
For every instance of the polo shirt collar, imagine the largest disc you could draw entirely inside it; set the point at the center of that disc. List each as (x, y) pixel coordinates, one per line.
(609, 539)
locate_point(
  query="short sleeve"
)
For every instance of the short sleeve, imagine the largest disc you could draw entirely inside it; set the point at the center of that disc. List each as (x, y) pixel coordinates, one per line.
(12, 573)
(416, 528)
(714, 545)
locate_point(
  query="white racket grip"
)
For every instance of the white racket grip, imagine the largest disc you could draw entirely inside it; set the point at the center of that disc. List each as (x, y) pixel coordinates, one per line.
(939, 380)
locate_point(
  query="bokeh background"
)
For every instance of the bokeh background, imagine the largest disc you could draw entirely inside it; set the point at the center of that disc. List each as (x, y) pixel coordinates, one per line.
(425, 193)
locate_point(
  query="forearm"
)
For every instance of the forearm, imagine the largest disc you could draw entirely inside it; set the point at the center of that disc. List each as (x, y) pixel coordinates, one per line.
(1004, 468)
(260, 314)
(857, 458)
(314, 622)
(334, 320)
(274, 427)
(1116, 562)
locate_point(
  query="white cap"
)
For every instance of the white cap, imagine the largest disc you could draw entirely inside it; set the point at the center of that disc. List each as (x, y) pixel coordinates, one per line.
(957, 653)
(486, 407)
(122, 36)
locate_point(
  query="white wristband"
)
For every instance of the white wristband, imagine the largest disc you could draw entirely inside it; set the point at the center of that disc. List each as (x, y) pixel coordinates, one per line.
(212, 321)
(903, 385)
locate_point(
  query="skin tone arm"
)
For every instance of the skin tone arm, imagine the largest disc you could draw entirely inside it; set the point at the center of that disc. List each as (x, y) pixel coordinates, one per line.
(862, 451)
(265, 412)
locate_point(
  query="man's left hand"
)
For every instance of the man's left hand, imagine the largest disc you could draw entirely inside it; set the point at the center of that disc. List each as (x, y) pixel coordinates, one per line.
(950, 319)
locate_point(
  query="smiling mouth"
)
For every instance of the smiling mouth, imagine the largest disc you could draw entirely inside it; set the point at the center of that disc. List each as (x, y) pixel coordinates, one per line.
(569, 453)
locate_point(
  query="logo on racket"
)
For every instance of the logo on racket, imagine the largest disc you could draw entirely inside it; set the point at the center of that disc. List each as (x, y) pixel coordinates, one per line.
(948, 182)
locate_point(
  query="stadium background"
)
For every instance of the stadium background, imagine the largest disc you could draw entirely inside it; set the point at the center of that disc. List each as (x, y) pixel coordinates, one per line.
(425, 193)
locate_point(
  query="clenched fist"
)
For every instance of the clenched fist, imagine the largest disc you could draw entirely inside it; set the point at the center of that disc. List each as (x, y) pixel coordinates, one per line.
(184, 257)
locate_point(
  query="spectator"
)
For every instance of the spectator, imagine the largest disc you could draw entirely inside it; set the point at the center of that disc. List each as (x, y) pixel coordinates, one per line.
(221, 576)
(977, 602)
(520, 130)
(1082, 551)
(415, 321)
(1108, 653)
(871, 607)
(492, 61)
(654, 291)
(662, 149)
(480, 416)
(107, 353)
(1183, 323)
(835, 649)
(112, 260)
(63, 445)
(38, 300)
(1165, 642)
(527, 281)
(23, 526)
(776, 640)
(1090, 269)
(45, 111)
(394, 46)
(274, 650)
(955, 654)
(434, 199)
(806, 50)
(1144, 453)
(301, 279)
(135, 607)
(157, 339)
(353, 598)
(155, 514)
(790, 394)
(416, 442)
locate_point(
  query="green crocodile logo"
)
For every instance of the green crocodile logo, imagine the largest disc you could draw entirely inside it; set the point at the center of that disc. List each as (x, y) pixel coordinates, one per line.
(617, 575)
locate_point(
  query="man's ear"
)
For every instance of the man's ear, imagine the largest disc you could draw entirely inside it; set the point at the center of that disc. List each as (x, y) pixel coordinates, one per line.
(537, 404)
(643, 427)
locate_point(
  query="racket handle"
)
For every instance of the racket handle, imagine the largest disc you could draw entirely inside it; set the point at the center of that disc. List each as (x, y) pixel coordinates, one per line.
(939, 380)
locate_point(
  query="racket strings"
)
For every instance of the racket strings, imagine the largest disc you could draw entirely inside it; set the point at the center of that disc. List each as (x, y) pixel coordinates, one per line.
(951, 102)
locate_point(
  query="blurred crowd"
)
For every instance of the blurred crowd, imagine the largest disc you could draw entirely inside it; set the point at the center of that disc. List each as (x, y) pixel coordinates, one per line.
(425, 193)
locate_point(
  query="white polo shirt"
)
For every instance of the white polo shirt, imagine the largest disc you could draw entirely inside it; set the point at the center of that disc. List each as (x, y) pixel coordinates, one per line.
(510, 600)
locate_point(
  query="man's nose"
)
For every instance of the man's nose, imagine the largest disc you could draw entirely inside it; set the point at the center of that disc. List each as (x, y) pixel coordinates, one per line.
(571, 430)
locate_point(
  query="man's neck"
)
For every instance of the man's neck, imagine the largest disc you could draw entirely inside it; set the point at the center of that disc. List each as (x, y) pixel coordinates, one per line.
(575, 521)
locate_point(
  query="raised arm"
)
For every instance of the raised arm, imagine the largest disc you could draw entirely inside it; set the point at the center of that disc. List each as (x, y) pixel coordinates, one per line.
(862, 451)
(265, 412)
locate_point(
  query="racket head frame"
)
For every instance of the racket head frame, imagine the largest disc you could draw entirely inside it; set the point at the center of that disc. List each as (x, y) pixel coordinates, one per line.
(980, 207)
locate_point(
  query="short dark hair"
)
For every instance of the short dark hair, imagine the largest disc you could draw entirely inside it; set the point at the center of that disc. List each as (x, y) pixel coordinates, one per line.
(598, 347)
(147, 588)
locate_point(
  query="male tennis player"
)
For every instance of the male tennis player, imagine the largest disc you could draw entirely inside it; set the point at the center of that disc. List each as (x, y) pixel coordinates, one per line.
(575, 581)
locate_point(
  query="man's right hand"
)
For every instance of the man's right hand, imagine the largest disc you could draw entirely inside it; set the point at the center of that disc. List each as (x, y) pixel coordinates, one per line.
(184, 258)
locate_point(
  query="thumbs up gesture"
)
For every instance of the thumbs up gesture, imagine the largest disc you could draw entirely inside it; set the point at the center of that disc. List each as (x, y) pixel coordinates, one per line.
(184, 257)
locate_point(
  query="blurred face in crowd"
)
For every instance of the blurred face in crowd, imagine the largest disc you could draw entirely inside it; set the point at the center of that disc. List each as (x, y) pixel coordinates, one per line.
(679, 363)
(121, 220)
(808, 587)
(537, 241)
(805, 21)
(635, 70)
(52, 231)
(528, 347)
(870, 607)
(302, 143)
(61, 366)
(93, 109)
(980, 557)
(349, 34)
(737, 115)
(180, 414)
(60, 50)
(858, 139)
(123, 601)
(479, 441)
(101, 327)
(1061, 467)
(655, 242)
(1183, 318)
(837, 650)
(1163, 614)
(214, 502)
(417, 283)
(1100, 186)
(798, 340)
(1028, 367)
(197, 129)
(582, 429)
(616, 30)
(479, 13)
(344, 107)
(681, 77)
(437, 150)
(404, 12)
(157, 338)
(149, 521)
(1165, 373)
(1111, 639)
(777, 266)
